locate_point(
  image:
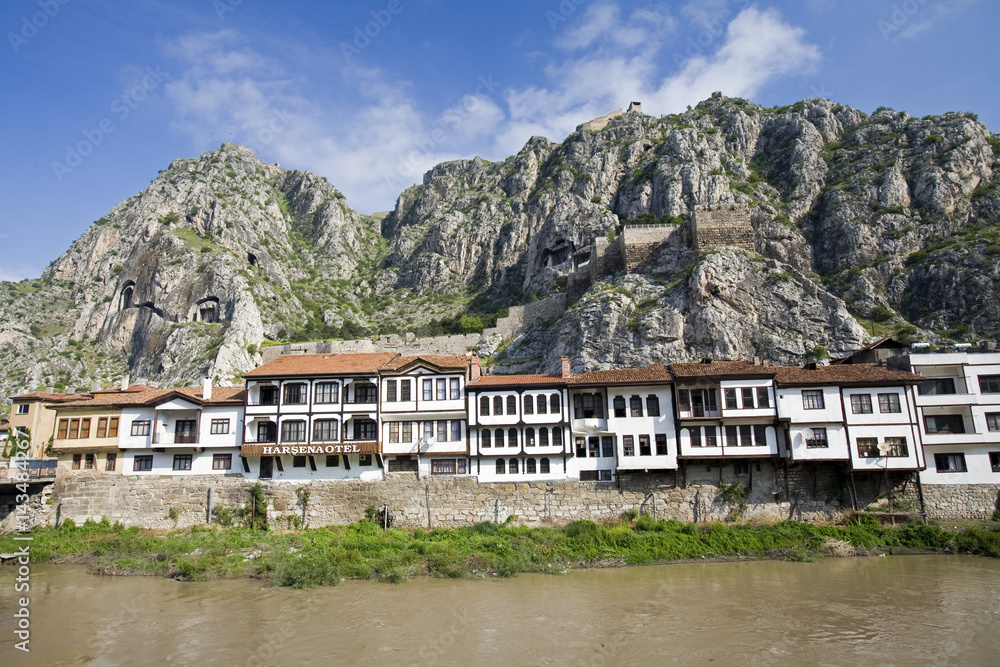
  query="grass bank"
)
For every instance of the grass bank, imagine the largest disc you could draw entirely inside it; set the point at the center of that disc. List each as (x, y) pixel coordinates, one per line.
(325, 556)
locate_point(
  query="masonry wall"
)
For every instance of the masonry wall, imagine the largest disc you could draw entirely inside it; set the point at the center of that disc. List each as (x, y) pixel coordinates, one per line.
(640, 242)
(722, 227)
(406, 345)
(971, 501)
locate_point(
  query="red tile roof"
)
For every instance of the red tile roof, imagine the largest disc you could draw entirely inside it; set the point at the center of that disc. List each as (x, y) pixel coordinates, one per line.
(456, 361)
(720, 369)
(220, 395)
(322, 364)
(46, 396)
(497, 381)
(843, 374)
(648, 374)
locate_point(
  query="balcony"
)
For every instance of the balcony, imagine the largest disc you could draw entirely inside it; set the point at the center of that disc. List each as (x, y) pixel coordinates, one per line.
(13, 471)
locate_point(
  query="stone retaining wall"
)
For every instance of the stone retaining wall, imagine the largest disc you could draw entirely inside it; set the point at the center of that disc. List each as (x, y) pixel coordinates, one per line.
(970, 501)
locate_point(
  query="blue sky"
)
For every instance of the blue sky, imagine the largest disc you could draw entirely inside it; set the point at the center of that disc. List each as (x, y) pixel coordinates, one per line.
(100, 94)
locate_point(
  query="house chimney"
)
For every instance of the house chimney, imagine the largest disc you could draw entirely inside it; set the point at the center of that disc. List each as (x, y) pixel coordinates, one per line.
(124, 384)
(206, 391)
(566, 372)
(475, 370)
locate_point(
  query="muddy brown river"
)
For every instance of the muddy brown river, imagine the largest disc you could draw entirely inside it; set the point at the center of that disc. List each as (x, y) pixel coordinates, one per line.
(903, 610)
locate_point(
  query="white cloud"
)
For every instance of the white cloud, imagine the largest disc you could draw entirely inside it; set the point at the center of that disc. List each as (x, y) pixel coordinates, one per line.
(364, 130)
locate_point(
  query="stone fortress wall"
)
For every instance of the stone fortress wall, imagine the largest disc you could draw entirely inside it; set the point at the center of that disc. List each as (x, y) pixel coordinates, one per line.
(776, 492)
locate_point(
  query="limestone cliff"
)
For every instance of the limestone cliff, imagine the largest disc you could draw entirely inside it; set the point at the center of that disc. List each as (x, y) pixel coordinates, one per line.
(886, 220)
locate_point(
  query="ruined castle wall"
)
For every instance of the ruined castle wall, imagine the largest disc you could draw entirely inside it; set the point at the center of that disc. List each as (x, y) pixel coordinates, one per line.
(722, 227)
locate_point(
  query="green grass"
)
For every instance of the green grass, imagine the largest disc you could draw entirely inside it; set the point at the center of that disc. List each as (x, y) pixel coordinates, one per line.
(325, 556)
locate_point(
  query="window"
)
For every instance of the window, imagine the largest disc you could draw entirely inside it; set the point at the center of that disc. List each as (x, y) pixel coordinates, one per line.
(543, 437)
(327, 392)
(393, 431)
(944, 424)
(63, 431)
(588, 406)
(817, 440)
(512, 466)
(897, 447)
(732, 436)
(557, 436)
(501, 469)
(868, 448)
(333, 461)
(730, 395)
(812, 399)
(404, 390)
(652, 406)
(85, 427)
(142, 463)
(950, 462)
(364, 429)
(593, 447)
(22, 408)
(499, 437)
(698, 402)
(74, 428)
(268, 395)
(543, 466)
(646, 450)
(365, 392)
(661, 444)
(555, 406)
(635, 406)
(77, 458)
(220, 426)
(746, 431)
(428, 391)
(88, 461)
(529, 467)
(111, 462)
(486, 439)
(453, 389)
(484, 406)
(607, 446)
(760, 435)
(989, 384)
(442, 431)
(512, 437)
(222, 461)
(861, 404)
(995, 461)
(619, 406)
(993, 421)
(293, 431)
(512, 405)
(181, 461)
(711, 439)
(364, 459)
(325, 430)
(447, 466)
(540, 404)
(442, 389)
(696, 437)
(529, 437)
(102, 427)
(889, 403)
(390, 391)
(934, 386)
(747, 398)
(529, 405)
(298, 462)
(763, 398)
(407, 432)
(295, 394)
(402, 464)
(456, 430)
(683, 400)
(628, 445)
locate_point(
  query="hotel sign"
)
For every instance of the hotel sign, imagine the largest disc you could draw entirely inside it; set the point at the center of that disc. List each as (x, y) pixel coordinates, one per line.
(367, 447)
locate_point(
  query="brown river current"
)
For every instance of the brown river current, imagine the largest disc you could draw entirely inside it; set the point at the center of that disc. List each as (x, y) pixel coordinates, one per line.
(942, 610)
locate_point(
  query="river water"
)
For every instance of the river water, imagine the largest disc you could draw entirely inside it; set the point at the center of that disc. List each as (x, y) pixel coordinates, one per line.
(901, 610)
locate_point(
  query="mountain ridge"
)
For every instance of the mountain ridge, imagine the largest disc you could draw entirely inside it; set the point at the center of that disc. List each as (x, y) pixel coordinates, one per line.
(883, 218)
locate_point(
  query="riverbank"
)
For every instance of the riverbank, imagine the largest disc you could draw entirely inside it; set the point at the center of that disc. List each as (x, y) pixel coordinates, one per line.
(325, 556)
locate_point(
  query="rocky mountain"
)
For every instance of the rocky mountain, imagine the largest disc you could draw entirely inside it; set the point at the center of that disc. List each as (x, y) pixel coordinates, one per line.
(885, 222)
